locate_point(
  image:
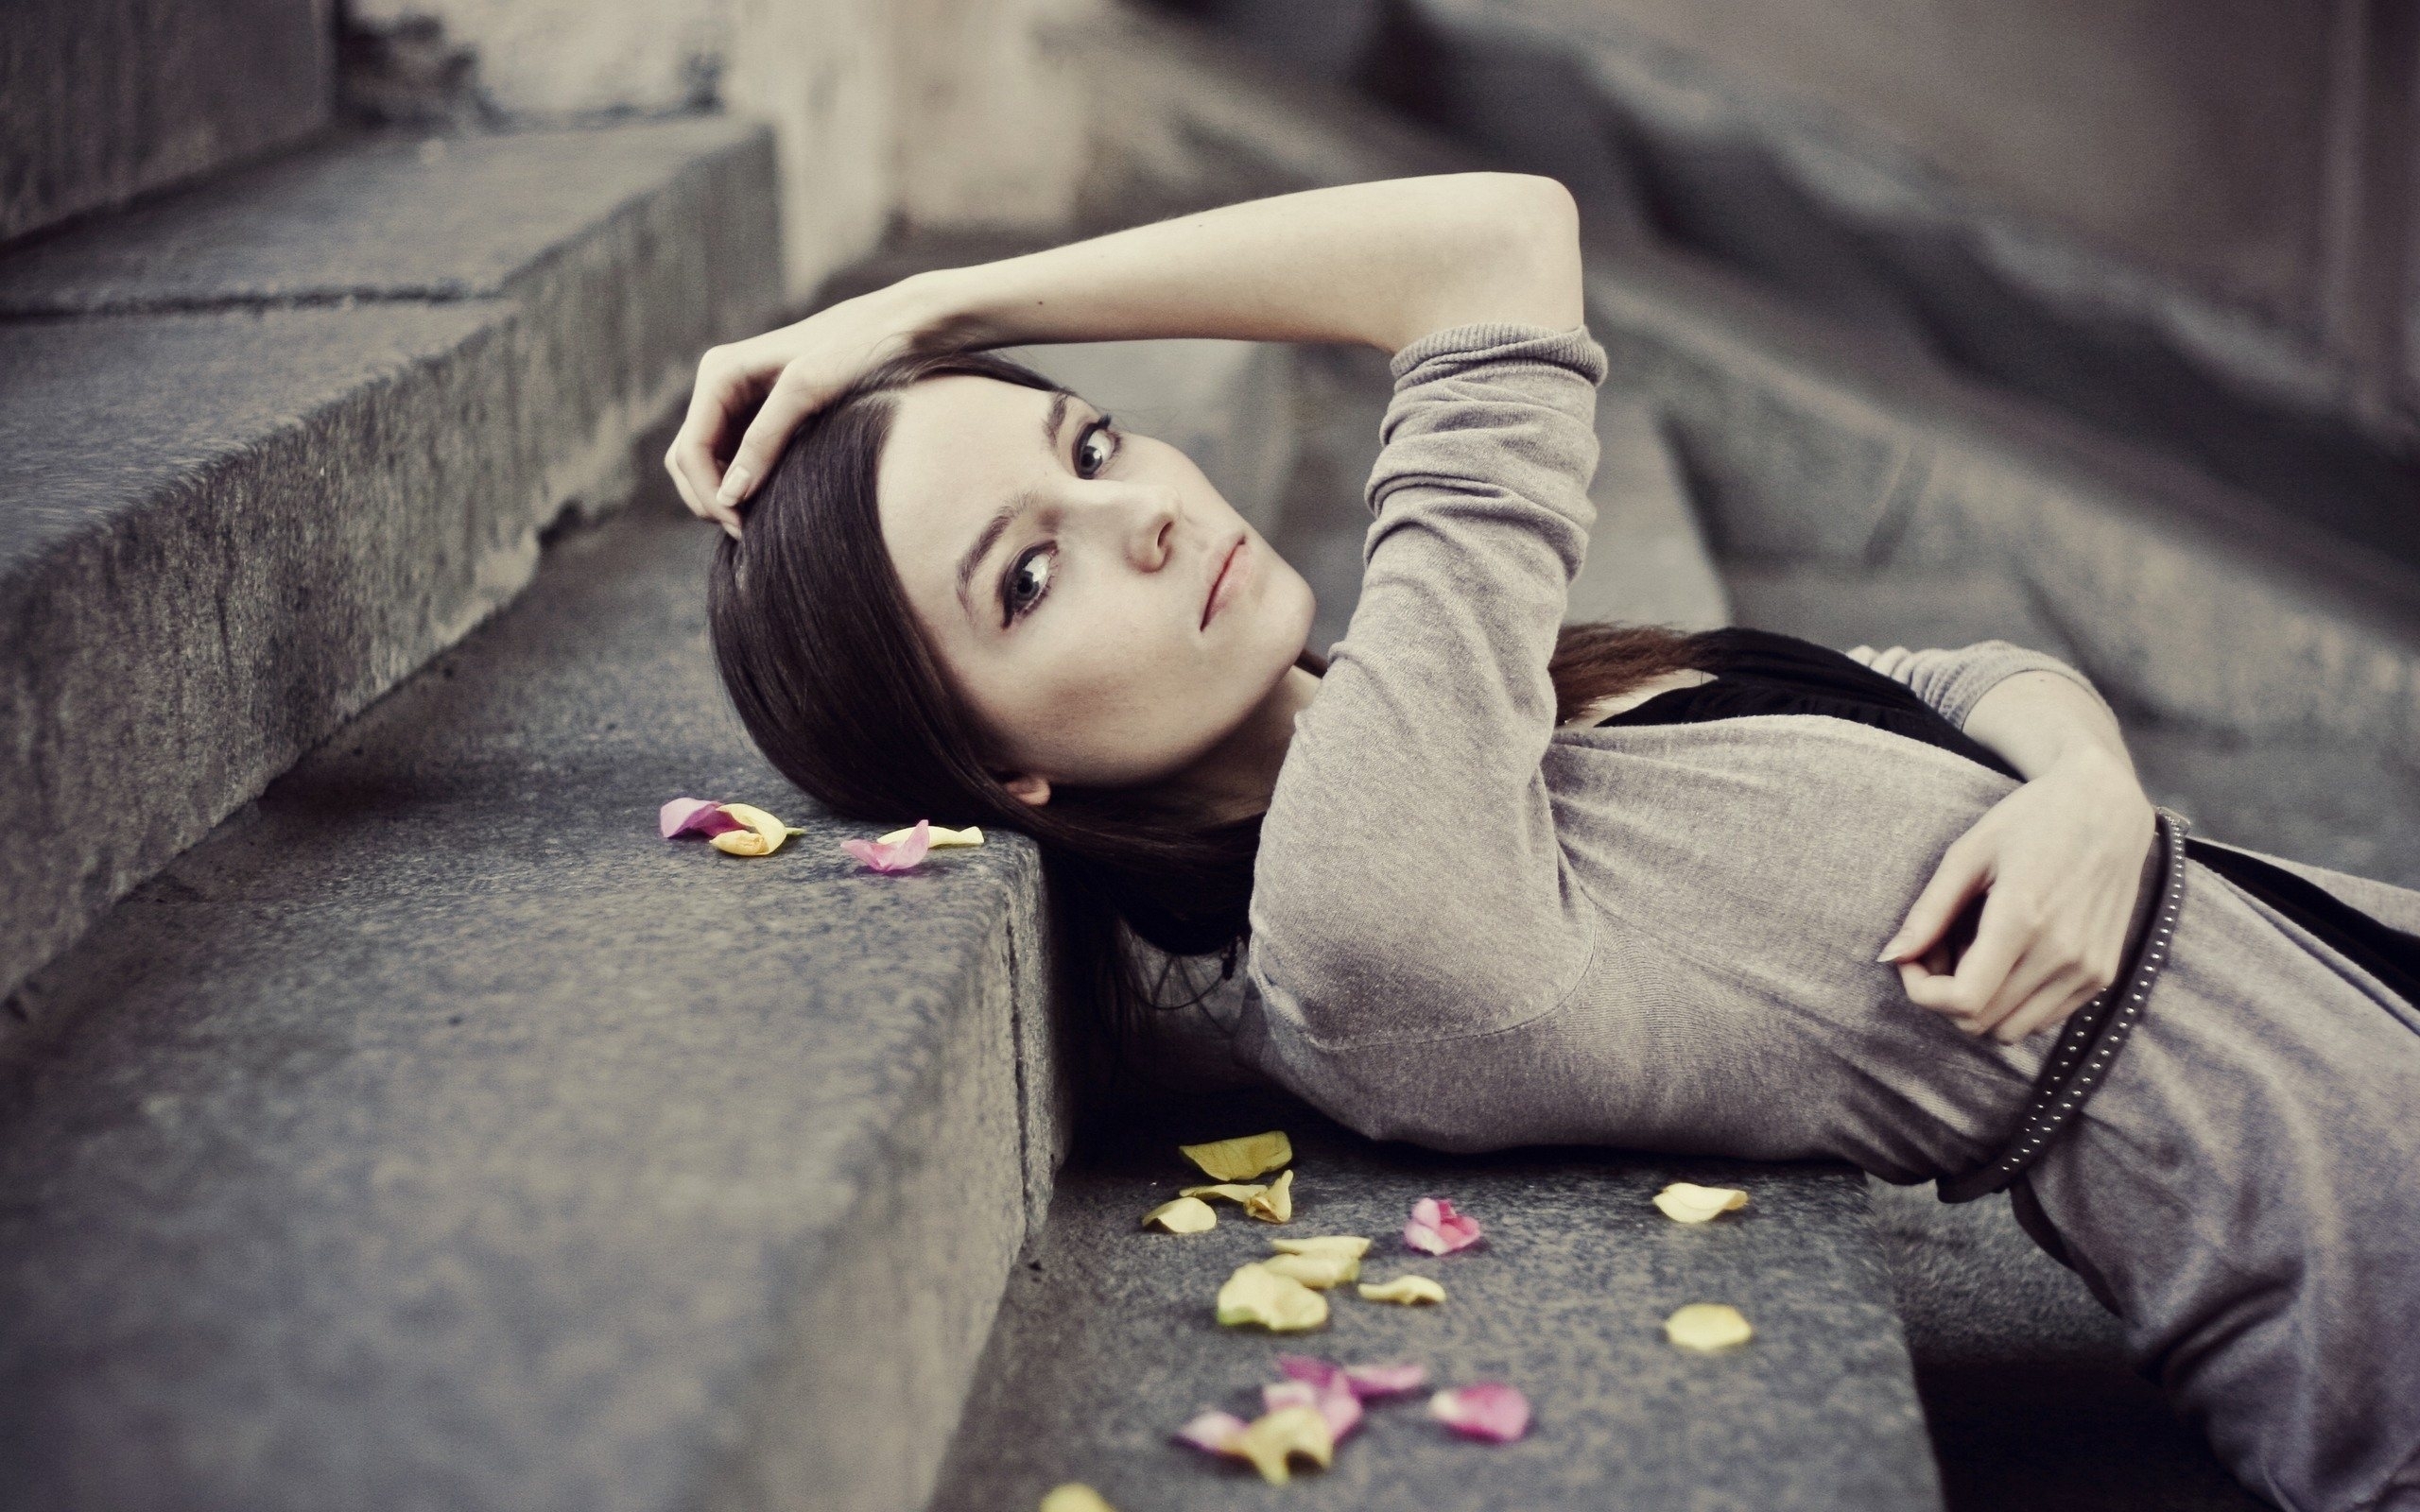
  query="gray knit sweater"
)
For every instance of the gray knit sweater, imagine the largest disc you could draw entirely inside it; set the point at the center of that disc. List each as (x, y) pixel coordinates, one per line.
(1473, 929)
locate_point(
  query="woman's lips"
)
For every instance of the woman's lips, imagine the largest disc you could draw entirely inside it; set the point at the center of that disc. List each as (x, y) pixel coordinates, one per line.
(1226, 580)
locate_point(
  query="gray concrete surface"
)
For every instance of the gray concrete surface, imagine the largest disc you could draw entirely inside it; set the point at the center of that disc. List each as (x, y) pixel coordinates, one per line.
(1803, 441)
(101, 100)
(436, 1135)
(240, 524)
(1106, 1341)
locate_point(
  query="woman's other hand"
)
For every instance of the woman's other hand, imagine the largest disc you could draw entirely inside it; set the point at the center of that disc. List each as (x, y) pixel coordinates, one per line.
(751, 394)
(2057, 865)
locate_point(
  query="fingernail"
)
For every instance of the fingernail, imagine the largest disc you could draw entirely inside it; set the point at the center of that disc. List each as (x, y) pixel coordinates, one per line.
(735, 483)
(1888, 952)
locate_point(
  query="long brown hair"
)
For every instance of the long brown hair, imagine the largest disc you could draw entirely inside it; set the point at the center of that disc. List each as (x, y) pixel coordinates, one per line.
(828, 671)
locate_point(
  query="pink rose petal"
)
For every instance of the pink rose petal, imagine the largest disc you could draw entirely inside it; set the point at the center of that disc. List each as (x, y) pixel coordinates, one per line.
(1385, 1380)
(898, 855)
(1334, 1401)
(1365, 1381)
(1486, 1409)
(1214, 1433)
(1438, 1229)
(695, 816)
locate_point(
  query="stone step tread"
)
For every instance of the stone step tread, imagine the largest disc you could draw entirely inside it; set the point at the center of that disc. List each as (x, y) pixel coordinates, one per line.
(248, 512)
(436, 1134)
(1106, 1341)
(380, 216)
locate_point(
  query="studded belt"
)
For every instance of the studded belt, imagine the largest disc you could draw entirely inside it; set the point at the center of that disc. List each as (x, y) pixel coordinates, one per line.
(2079, 1062)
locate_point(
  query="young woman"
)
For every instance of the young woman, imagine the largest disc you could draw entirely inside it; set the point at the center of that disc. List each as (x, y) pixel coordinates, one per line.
(1495, 883)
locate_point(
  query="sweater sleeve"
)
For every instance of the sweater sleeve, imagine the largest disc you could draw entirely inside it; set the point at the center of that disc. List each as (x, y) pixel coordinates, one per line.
(1409, 885)
(1954, 682)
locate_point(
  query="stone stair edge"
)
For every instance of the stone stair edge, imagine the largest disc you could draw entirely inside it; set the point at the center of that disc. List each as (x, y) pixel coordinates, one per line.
(1801, 435)
(227, 432)
(443, 1017)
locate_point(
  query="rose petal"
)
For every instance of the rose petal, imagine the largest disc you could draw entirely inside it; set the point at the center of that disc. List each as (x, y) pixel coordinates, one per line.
(1405, 1289)
(1232, 1191)
(762, 836)
(1336, 1402)
(941, 837)
(1255, 1294)
(1437, 1228)
(1277, 1437)
(895, 856)
(1075, 1497)
(1706, 1327)
(1485, 1409)
(1364, 1381)
(1276, 1204)
(694, 815)
(1682, 1202)
(1240, 1160)
(1272, 1203)
(1318, 1272)
(1368, 1381)
(1215, 1432)
(1348, 1246)
(1186, 1215)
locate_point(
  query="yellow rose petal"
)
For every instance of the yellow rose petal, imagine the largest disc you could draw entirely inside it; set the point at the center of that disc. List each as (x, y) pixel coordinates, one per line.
(1274, 1439)
(1348, 1246)
(763, 836)
(1186, 1215)
(938, 836)
(1255, 1294)
(1318, 1272)
(1405, 1289)
(1075, 1497)
(1276, 1204)
(1707, 1327)
(1684, 1203)
(1230, 1191)
(1240, 1160)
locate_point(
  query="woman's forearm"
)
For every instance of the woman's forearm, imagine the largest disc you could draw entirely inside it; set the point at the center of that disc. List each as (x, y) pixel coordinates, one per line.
(1380, 263)
(2038, 720)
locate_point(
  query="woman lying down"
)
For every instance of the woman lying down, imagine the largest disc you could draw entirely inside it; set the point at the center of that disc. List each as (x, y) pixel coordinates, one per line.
(1496, 882)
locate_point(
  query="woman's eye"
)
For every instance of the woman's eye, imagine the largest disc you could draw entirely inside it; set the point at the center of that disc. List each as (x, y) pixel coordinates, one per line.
(1028, 583)
(1094, 447)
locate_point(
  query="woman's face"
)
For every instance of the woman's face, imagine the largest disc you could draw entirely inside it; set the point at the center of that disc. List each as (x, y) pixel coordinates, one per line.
(1061, 570)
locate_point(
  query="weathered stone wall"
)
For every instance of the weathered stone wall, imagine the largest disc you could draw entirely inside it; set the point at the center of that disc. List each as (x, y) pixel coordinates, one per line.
(945, 112)
(103, 99)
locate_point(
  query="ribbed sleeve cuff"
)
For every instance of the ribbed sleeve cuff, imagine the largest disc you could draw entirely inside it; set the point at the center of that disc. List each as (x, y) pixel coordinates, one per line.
(1440, 352)
(1989, 663)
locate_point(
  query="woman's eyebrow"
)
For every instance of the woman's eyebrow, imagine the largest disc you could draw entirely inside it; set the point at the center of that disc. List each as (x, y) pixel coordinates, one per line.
(1006, 514)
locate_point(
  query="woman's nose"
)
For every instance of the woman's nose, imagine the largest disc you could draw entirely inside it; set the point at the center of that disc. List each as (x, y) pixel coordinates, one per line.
(1151, 531)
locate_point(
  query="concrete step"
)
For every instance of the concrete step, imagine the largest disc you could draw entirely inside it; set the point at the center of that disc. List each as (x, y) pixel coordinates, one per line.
(277, 440)
(1106, 1341)
(102, 103)
(436, 1135)
(1805, 441)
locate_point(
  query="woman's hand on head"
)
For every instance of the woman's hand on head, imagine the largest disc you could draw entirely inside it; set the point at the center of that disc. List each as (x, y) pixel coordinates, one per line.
(2057, 865)
(751, 395)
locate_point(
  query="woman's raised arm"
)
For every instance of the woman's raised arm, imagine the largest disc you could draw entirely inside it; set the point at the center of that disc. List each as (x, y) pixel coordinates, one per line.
(1378, 264)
